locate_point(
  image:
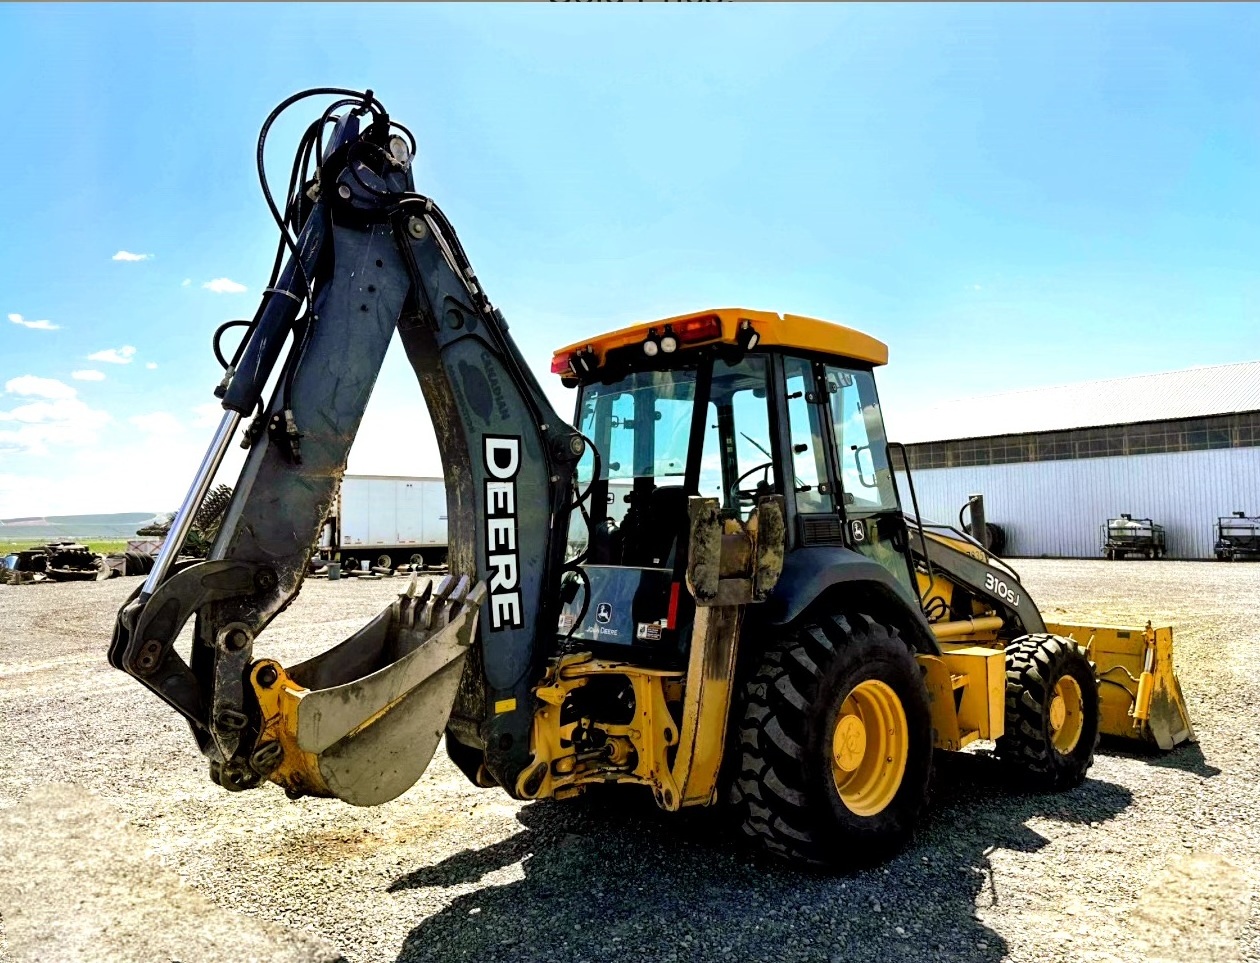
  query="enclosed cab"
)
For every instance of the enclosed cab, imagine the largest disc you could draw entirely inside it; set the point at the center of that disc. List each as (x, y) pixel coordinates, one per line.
(728, 406)
(744, 582)
(1237, 537)
(1126, 535)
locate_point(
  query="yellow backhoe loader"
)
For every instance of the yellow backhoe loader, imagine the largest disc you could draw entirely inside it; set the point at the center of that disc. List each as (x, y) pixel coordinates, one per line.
(705, 585)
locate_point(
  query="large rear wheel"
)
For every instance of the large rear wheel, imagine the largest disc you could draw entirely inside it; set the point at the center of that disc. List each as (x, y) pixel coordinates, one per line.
(836, 744)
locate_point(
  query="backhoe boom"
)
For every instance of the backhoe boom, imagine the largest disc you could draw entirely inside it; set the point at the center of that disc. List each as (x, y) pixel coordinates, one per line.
(371, 257)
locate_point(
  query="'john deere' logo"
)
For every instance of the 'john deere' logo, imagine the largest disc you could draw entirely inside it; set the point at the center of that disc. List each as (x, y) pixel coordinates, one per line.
(858, 528)
(603, 613)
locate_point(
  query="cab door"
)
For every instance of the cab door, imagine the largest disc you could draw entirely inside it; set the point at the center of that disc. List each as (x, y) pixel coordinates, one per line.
(874, 525)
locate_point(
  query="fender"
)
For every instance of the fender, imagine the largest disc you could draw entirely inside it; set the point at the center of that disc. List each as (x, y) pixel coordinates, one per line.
(810, 574)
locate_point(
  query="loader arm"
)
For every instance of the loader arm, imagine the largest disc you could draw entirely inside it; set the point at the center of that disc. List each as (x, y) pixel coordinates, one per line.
(1140, 696)
(368, 257)
(966, 563)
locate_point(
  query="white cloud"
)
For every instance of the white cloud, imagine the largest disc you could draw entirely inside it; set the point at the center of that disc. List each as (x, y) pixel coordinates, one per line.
(30, 386)
(37, 325)
(207, 415)
(224, 286)
(121, 355)
(184, 283)
(151, 365)
(89, 478)
(61, 458)
(128, 256)
(161, 423)
(88, 374)
(62, 420)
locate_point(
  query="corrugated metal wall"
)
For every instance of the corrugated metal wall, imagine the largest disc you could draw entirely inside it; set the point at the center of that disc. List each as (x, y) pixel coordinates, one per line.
(1056, 508)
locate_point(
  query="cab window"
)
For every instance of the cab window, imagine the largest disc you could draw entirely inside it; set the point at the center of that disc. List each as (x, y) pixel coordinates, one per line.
(865, 474)
(736, 466)
(809, 452)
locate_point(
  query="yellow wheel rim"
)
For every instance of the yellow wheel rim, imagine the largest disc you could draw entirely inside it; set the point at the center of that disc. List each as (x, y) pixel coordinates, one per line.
(869, 748)
(1067, 721)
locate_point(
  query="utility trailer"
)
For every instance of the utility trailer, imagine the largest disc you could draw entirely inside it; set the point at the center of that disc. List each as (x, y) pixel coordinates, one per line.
(1237, 537)
(1127, 535)
(386, 520)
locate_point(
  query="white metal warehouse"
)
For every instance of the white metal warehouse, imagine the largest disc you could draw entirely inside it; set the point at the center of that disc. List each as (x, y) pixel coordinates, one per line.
(1181, 448)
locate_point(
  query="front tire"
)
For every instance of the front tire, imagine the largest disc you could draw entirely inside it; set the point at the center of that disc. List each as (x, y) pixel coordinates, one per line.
(836, 745)
(1052, 712)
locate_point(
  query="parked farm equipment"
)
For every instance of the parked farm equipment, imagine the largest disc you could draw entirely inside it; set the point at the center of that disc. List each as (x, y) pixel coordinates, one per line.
(1127, 535)
(1237, 537)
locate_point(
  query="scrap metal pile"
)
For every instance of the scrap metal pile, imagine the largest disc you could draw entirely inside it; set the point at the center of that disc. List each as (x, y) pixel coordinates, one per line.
(69, 562)
(56, 561)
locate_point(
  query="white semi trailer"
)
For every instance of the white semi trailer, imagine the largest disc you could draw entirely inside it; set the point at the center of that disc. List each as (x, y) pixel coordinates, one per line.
(387, 520)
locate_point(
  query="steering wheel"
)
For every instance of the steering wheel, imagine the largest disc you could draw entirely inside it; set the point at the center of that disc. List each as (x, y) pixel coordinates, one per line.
(749, 495)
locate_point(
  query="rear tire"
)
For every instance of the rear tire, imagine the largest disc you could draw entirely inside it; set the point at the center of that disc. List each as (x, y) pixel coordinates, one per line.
(808, 790)
(1052, 712)
(995, 538)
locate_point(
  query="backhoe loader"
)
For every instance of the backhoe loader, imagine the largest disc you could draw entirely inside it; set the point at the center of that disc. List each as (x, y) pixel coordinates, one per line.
(705, 585)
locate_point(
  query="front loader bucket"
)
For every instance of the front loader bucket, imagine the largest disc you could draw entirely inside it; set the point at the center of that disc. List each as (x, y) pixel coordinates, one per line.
(361, 721)
(1140, 696)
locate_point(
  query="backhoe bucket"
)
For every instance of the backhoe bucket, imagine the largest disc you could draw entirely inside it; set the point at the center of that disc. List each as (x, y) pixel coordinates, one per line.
(1140, 696)
(361, 721)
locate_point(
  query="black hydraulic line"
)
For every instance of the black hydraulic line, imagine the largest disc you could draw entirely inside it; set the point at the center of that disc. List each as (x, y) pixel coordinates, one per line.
(292, 209)
(597, 467)
(218, 334)
(367, 99)
(586, 602)
(281, 304)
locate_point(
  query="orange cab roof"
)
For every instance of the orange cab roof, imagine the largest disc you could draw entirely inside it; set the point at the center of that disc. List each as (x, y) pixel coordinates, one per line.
(780, 330)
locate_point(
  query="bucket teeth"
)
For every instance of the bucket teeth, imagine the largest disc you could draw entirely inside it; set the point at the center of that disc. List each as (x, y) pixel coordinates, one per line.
(432, 607)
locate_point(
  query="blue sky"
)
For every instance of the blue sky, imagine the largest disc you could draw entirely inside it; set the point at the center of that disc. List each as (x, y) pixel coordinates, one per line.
(1009, 196)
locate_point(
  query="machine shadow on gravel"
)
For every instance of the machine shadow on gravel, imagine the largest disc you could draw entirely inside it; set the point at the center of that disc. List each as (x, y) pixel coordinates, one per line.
(1187, 757)
(603, 883)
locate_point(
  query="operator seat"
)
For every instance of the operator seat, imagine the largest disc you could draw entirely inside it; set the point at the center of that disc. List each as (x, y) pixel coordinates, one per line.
(654, 527)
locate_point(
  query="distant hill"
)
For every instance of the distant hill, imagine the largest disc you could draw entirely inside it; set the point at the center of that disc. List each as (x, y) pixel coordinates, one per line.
(80, 527)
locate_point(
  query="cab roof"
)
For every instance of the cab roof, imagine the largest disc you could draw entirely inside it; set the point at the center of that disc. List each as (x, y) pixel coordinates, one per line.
(792, 331)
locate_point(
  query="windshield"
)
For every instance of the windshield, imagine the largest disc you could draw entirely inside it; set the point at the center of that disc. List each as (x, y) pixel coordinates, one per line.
(641, 426)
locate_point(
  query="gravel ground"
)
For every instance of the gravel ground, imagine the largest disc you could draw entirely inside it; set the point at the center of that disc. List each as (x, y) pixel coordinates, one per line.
(114, 845)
